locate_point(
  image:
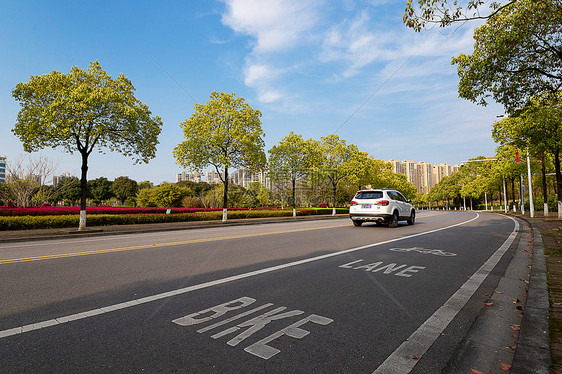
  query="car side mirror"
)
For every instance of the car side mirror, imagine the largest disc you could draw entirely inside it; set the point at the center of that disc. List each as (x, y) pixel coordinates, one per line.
(409, 201)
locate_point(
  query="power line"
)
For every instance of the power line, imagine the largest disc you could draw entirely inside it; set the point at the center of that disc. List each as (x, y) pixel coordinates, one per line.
(174, 79)
(373, 94)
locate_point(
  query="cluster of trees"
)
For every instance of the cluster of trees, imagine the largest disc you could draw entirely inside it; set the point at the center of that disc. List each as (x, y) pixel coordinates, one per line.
(497, 180)
(330, 169)
(517, 61)
(226, 133)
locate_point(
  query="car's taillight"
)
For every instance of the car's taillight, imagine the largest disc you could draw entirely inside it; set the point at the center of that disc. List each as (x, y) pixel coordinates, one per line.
(353, 203)
(382, 202)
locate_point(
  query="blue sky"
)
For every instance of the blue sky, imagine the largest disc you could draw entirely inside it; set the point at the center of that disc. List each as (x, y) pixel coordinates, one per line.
(313, 67)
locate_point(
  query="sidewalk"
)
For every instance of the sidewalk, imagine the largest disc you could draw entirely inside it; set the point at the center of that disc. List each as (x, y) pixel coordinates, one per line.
(550, 229)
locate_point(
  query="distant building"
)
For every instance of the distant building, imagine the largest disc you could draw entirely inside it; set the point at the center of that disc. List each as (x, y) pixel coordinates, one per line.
(2, 169)
(243, 177)
(58, 178)
(423, 175)
(212, 177)
(185, 176)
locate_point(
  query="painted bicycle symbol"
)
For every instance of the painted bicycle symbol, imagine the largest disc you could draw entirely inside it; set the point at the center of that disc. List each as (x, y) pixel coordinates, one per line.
(437, 252)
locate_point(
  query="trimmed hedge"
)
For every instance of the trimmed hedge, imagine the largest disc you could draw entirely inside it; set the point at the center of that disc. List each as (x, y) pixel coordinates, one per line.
(64, 221)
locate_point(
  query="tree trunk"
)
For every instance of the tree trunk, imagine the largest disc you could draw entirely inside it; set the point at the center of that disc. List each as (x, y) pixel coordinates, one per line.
(558, 181)
(225, 196)
(544, 187)
(334, 185)
(512, 180)
(83, 188)
(294, 197)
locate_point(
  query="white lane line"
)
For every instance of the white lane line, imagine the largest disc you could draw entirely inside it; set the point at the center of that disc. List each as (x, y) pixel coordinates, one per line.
(401, 361)
(127, 304)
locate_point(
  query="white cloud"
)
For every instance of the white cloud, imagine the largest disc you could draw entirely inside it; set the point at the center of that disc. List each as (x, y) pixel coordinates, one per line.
(254, 74)
(276, 24)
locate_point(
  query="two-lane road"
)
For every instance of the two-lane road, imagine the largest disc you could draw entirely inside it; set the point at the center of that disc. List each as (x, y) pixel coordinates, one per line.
(299, 297)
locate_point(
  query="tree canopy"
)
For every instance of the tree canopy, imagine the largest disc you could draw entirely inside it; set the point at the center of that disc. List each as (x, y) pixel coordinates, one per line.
(418, 14)
(517, 55)
(224, 133)
(291, 159)
(82, 111)
(124, 188)
(536, 127)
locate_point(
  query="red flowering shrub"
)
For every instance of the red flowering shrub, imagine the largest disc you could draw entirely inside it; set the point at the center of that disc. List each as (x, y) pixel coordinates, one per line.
(59, 210)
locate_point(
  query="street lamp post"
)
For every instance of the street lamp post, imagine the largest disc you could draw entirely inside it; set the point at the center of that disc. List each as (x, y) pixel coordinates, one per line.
(531, 204)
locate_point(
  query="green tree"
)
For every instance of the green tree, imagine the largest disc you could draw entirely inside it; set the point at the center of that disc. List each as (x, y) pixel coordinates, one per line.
(224, 133)
(198, 188)
(145, 184)
(291, 159)
(124, 188)
(145, 198)
(4, 193)
(538, 128)
(169, 195)
(331, 157)
(68, 190)
(259, 194)
(419, 13)
(99, 190)
(517, 55)
(82, 111)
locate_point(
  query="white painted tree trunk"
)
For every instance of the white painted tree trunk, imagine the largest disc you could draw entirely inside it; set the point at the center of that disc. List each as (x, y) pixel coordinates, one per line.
(294, 212)
(82, 224)
(559, 209)
(334, 211)
(546, 209)
(224, 215)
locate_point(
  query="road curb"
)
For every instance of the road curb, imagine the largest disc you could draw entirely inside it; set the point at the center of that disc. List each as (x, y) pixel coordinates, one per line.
(533, 350)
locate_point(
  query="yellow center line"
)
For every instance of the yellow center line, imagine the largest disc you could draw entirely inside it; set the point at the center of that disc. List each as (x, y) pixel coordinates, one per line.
(145, 246)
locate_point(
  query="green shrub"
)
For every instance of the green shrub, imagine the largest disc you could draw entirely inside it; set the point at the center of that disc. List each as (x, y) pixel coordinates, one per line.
(65, 221)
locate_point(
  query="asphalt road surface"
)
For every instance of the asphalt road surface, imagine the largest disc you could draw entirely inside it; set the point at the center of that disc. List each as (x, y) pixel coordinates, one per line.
(295, 297)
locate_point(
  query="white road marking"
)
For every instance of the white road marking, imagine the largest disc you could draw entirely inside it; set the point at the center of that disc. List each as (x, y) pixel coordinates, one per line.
(144, 300)
(400, 361)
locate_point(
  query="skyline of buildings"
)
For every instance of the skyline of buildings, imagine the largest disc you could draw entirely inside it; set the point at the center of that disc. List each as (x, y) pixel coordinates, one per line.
(421, 174)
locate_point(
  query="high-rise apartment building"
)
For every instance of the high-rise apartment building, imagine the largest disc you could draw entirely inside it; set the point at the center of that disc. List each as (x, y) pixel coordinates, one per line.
(423, 175)
(2, 169)
(243, 177)
(58, 178)
(212, 177)
(185, 176)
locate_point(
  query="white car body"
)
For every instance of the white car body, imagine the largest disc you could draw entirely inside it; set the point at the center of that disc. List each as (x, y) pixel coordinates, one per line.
(381, 206)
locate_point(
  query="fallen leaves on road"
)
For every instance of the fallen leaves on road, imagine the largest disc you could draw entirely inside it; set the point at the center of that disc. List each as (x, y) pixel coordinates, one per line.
(505, 366)
(516, 327)
(476, 371)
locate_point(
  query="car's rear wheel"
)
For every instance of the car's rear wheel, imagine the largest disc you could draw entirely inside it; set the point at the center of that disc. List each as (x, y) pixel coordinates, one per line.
(394, 220)
(357, 223)
(412, 218)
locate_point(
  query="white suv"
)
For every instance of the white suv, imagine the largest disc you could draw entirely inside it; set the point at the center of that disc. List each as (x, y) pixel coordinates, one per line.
(381, 206)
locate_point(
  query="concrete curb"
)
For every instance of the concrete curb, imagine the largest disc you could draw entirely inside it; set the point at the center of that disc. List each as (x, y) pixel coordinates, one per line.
(533, 351)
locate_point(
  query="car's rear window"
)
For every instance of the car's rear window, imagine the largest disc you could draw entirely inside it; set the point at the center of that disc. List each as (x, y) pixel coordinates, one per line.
(369, 195)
